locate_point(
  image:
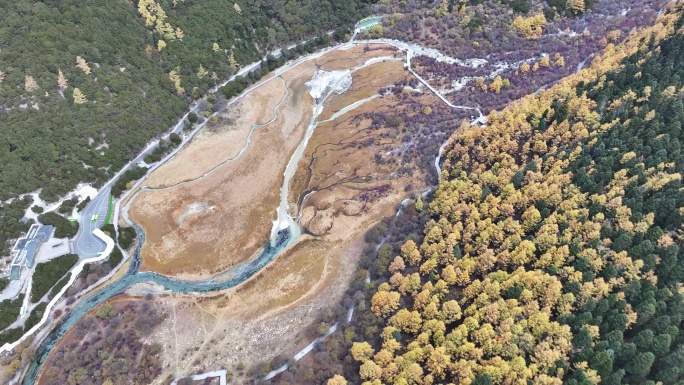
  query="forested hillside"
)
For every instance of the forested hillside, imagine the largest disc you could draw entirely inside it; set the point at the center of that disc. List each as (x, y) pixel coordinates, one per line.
(52, 140)
(553, 253)
(524, 46)
(85, 84)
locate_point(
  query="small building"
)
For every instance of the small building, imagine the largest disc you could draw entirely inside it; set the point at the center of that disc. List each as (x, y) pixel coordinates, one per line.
(25, 249)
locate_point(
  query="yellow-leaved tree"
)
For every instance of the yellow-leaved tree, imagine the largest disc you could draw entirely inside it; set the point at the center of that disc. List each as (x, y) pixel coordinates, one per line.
(337, 380)
(530, 27)
(515, 246)
(79, 97)
(83, 65)
(61, 81)
(30, 84)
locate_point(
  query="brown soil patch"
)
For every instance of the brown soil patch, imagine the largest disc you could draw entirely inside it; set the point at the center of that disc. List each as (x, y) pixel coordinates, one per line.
(272, 313)
(338, 174)
(199, 228)
(366, 82)
(352, 57)
(347, 191)
(223, 140)
(267, 316)
(207, 212)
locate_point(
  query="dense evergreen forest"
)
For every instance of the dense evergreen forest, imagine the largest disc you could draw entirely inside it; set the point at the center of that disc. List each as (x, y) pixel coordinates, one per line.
(85, 84)
(553, 249)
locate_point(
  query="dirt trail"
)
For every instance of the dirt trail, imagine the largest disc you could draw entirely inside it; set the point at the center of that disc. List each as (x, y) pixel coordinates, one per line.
(223, 139)
(199, 228)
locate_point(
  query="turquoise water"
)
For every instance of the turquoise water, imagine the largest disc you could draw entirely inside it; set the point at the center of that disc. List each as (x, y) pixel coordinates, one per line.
(233, 277)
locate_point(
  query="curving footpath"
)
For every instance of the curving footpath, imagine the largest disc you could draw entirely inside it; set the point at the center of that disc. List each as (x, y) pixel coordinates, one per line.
(221, 374)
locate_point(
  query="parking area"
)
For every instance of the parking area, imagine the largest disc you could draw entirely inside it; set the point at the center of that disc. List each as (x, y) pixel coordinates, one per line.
(87, 245)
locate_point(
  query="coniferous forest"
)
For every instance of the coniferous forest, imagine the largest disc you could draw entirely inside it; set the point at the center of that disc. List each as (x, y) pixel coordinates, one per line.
(552, 251)
(85, 84)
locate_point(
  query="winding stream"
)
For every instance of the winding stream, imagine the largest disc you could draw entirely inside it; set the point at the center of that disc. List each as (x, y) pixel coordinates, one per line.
(285, 232)
(233, 277)
(285, 229)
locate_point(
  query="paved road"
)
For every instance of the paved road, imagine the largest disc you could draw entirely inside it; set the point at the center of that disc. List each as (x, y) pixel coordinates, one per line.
(86, 244)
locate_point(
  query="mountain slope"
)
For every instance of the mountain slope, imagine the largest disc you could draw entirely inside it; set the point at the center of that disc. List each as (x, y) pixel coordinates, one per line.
(86, 84)
(553, 253)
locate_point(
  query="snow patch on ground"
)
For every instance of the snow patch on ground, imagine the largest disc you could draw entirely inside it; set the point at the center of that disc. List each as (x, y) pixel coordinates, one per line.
(142, 288)
(567, 32)
(338, 81)
(82, 191)
(481, 121)
(343, 85)
(374, 60)
(36, 202)
(500, 67)
(17, 286)
(85, 191)
(53, 248)
(351, 107)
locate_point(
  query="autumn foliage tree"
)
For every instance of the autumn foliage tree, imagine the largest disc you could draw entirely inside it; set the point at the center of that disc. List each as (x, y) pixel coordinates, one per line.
(553, 252)
(530, 27)
(337, 380)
